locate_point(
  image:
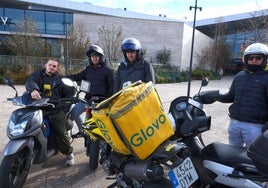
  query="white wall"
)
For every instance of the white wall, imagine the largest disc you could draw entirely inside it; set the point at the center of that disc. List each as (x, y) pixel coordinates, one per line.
(154, 35)
(200, 41)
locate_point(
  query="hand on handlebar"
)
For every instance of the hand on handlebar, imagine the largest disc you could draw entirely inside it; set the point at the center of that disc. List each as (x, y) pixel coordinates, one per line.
(35, 95)
(208, 97)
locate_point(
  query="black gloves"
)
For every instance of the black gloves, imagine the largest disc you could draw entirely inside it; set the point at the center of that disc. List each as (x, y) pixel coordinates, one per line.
(208, 97)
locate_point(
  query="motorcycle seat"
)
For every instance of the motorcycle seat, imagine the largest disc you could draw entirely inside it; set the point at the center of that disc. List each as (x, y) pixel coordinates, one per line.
(226, 154)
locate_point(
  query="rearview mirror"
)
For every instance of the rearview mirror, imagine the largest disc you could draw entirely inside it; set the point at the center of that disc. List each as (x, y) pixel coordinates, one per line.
(68, 82)
(205, 81)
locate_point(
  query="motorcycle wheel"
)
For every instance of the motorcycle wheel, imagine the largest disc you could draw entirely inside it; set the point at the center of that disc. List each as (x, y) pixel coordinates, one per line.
(94, 154)
(14, 169)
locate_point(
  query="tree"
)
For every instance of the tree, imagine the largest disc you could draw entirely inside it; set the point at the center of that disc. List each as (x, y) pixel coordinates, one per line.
(163, 56)
(110, 39)
(218, 54)
(26, 40)
(78, 42)
(204, 57)
(220, 49)
(259, 24)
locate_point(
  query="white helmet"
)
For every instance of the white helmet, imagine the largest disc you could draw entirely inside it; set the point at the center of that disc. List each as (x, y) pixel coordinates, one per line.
(256, 48)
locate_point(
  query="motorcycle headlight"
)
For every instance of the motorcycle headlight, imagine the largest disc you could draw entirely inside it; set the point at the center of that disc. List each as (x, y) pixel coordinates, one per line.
(16, 129)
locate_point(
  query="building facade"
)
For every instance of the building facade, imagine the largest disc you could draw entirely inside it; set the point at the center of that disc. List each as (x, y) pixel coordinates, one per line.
(154, 32)
(240, 30)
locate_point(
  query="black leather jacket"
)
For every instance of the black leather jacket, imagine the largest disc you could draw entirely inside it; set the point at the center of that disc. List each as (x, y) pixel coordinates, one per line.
(249, 95)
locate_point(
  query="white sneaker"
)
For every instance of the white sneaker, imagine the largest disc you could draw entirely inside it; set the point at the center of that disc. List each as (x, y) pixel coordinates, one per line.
(69, 160)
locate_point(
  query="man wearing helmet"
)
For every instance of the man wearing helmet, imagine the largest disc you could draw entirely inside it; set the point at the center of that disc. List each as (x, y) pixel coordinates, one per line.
(99, 75)
(134, 67)
(249, 97)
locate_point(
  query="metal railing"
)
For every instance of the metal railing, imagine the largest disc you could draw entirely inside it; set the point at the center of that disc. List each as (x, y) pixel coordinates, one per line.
(28, 64)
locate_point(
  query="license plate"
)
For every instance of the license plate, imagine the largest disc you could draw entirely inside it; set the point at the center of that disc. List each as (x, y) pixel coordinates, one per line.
(184, 175)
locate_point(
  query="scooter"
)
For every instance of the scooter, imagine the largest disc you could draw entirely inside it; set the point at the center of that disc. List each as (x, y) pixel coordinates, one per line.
(31, 138)
(217, 164)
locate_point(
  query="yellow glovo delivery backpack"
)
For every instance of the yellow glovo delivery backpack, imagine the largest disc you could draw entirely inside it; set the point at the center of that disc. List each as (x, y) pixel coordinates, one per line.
(133, 120)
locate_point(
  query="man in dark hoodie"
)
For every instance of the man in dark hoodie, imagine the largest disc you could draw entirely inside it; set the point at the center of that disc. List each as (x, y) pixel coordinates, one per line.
(47, 83)
(101, 78)
(134, 67)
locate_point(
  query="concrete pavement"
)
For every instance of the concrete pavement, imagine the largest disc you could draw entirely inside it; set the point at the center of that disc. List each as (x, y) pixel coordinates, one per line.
(53, 173)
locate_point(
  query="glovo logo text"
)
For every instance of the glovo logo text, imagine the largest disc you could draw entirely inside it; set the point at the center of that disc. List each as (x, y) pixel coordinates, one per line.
(138, 138)
(106, 133)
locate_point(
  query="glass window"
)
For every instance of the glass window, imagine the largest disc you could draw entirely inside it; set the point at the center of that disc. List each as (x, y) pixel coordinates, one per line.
(53, 46)
(69, 20)
(14, 16)
(1, 12)
(38, 17)
(55, 23)
(2, 17)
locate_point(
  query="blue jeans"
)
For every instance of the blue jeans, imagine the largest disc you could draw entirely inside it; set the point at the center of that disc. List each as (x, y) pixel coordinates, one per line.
(76, 114)
(243, 133)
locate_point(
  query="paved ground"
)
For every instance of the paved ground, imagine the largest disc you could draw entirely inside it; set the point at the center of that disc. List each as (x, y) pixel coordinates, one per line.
(53, 173)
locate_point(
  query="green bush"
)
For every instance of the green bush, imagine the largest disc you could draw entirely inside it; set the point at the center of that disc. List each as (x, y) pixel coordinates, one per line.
(199, 74)
(169, 74)
(17, 78)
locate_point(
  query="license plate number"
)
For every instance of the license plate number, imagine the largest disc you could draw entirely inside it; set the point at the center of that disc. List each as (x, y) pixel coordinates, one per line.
(184, 175)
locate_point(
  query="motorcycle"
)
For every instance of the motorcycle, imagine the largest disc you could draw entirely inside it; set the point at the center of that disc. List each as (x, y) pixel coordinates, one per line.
(31, 138)
(168, 165)
(217, 164)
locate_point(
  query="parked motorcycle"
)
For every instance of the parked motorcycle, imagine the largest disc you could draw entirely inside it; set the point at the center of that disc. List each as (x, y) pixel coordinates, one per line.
(135, 148)
(217, 164)
(31, 138)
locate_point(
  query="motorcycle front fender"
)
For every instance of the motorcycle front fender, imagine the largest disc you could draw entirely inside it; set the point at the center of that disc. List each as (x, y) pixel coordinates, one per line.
(13, 146)
(95, 134)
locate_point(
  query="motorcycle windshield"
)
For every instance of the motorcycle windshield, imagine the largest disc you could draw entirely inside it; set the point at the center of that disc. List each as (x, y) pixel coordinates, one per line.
(26, 100)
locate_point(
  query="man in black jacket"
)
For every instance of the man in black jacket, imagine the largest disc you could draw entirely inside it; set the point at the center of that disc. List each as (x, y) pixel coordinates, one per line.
(47, 83)
(249, 97)
(134, 67)
(101, 80)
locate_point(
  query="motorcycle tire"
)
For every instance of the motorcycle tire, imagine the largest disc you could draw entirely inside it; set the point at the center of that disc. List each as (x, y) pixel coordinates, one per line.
(14, 169)
(94, 152)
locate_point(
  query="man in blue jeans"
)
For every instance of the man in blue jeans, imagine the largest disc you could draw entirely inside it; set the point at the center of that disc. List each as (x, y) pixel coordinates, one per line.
(249, 97)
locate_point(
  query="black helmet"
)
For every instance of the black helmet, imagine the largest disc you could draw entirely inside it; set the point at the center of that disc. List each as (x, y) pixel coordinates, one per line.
(256, 49)
(95, 50)
(131, 44)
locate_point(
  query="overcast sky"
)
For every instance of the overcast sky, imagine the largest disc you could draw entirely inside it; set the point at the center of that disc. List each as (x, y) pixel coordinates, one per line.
(179, 9)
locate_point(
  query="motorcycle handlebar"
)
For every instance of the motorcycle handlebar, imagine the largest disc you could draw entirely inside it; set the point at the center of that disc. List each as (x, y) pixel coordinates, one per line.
(71, 100)
(98, 98)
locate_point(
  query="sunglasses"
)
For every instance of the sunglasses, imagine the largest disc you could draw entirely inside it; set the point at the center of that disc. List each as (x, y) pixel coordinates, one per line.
(257, 57)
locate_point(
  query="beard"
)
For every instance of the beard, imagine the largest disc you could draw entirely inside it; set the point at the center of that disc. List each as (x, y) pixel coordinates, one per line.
(254, 68)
